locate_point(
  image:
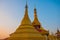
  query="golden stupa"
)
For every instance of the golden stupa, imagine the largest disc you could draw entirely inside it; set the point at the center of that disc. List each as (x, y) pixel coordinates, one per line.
(27, 31)
(37, 24)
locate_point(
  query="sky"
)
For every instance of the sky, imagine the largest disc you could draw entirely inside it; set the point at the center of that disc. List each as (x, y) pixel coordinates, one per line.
(12, 12)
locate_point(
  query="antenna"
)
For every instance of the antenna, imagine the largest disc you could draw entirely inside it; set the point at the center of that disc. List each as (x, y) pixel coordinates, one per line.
(35, 6)
(26, 4)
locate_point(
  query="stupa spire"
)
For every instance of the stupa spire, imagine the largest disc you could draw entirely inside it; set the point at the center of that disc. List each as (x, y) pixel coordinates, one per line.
(35, 22)
(26, 19)
(35, 13)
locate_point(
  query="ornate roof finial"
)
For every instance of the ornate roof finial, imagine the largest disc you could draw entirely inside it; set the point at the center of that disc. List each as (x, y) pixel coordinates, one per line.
(35, 12)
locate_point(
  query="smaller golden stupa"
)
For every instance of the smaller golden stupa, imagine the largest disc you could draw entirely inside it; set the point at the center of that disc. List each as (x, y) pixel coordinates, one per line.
(37, 24)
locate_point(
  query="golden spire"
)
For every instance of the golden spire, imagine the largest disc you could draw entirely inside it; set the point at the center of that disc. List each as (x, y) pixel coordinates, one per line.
(26, 19)
(35, 22)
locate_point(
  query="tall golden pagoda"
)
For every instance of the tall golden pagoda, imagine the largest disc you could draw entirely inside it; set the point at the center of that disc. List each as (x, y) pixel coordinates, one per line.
(37, 24)
(26, 30)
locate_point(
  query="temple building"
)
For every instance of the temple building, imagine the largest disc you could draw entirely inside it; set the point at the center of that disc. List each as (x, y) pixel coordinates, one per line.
(28, 30)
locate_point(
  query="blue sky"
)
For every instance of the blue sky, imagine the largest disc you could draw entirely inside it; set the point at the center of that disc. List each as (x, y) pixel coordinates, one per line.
(12, 12)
